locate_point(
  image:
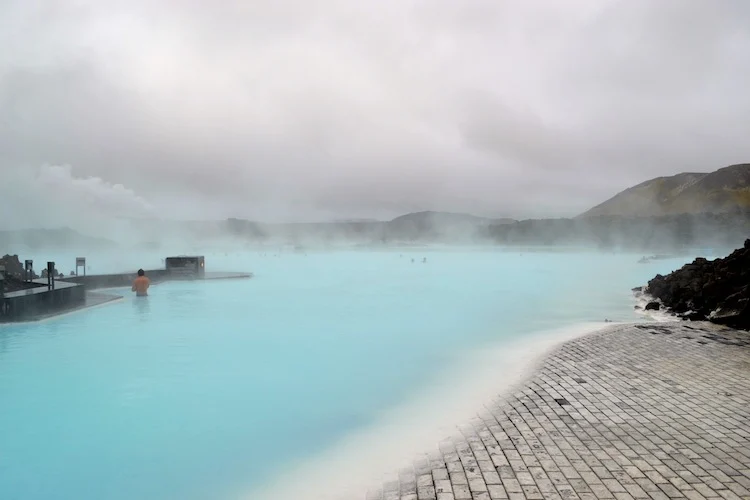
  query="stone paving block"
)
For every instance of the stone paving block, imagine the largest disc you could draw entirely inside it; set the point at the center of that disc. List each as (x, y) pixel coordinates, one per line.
(497, 492)
(738, 489)
(486, 465)
(461, 492)
(714, 483)
(623, 496)
(492, 477)
(614, 486)
(729, 495)
(426, 493)
(473, 473)
(670, 490)
(458, 478)
(525, 478)
(532, 493)
(477, 485)
(636, 491)
(635, 411)
(443, 486)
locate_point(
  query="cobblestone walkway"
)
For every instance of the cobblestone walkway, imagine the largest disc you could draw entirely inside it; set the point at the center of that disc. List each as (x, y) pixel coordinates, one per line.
(641, 411)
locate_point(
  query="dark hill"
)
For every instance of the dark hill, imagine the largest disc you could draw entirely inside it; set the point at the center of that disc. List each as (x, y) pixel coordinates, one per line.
(664, 233)
(724, 190)
(414, 227)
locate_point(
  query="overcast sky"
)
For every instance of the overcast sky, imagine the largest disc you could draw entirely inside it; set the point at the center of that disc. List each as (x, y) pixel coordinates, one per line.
(321, 109)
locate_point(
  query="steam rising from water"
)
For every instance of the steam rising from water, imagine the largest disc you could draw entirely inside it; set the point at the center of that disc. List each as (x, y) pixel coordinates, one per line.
(59, 199)
(280, 111)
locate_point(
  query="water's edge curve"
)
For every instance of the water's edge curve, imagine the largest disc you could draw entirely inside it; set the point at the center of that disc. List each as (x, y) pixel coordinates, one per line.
(366, 458)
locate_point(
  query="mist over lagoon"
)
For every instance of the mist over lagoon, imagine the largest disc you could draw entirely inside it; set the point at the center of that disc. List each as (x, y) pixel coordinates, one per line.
(225, 385)
(285, 250)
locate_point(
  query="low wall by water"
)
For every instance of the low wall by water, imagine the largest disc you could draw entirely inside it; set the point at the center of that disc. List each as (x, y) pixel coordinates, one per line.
(40, 301)
(95, 281)
(119, 280)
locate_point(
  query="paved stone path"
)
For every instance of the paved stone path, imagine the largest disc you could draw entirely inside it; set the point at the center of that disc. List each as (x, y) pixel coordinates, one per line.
(641, 411)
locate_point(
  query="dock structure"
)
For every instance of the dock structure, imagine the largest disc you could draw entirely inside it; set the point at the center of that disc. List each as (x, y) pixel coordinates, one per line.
(24, 298)
(27, 298)
(191, 266)
(175, 268)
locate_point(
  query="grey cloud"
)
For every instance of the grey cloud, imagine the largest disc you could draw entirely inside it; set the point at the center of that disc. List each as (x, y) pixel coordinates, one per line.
(334, 109)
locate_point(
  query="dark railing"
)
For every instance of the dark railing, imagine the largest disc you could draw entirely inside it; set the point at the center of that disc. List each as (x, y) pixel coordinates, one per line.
(2, 292)
(51, 275)
(28, 267)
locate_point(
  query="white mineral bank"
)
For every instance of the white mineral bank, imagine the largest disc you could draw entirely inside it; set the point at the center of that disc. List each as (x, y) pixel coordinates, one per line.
(369, 457)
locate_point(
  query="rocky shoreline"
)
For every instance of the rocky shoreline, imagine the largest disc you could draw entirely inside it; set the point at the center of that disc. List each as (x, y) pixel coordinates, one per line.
(716, 291)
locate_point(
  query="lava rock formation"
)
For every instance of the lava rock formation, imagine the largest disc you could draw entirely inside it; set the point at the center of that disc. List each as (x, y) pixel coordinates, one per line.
(717, 290)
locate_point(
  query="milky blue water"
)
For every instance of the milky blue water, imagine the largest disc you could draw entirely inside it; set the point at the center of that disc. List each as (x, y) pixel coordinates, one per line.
(207, 389)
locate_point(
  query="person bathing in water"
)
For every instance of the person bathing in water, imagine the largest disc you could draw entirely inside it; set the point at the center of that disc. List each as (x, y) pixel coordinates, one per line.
(141, 284)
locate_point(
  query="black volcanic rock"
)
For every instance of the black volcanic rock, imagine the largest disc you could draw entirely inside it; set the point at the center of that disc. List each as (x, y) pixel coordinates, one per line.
(14, 274)
(55, 272)
(718, 290)
(653, 306)
(13, 266)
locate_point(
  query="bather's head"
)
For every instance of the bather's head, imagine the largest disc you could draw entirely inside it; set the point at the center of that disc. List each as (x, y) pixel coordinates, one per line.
(141, 272)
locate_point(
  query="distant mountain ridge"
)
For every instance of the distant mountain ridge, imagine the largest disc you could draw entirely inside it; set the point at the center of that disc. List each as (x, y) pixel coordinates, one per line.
(724, 190)
(611, 232)
(413, 227)
(421, 227)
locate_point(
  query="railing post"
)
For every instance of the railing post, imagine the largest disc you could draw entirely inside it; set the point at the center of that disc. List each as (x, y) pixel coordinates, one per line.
(51, 275)
(29, 268)
(81, 262)
(3, 304)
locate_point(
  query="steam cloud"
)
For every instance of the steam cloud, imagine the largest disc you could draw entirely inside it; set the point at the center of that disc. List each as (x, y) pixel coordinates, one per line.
(52, 196)
(297, 110)
(91, 193)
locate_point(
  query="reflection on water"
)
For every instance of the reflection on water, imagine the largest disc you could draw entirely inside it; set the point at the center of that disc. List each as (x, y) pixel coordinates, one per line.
(142, 306)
